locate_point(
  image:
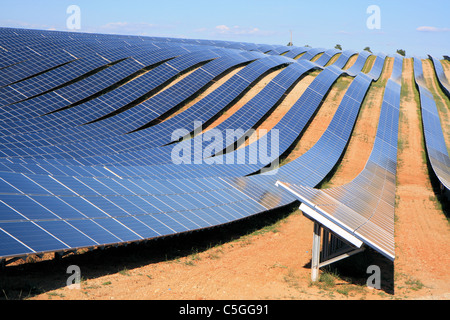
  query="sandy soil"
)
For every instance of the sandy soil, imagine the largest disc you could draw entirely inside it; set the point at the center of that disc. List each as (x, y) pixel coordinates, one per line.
(298, 56)
(210, 89)
(265, 257)
(317, 56)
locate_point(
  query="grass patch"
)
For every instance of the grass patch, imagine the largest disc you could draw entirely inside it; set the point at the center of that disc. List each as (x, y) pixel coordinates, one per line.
(124, 272)
(409, 282)
(93, 286)
(331, 282)
(292, 279)
(369, 64)
(414, 284)
(214, 255)
(327, 280)
(189, 263)
(342, 82)
(55, 294)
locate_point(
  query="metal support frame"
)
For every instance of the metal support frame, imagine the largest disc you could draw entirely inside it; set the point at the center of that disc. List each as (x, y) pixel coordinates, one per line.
(339, 241)
(328, 248)
(315, 260)
(4, 262)
(60, 254)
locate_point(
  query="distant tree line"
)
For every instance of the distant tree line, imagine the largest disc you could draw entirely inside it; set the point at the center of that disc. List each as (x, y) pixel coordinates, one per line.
(339, 47)
(401, 52)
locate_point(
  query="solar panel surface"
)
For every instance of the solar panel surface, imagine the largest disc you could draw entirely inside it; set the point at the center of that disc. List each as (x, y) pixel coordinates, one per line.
(85, 154)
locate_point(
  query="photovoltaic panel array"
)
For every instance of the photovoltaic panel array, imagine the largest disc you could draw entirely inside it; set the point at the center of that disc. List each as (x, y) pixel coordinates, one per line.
(87, 124)
(364, 207)
(433, 133)
(441, 76)
(65, 204)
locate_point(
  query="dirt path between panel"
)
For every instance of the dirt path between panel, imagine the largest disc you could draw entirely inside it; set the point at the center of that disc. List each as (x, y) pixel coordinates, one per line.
(422, 232)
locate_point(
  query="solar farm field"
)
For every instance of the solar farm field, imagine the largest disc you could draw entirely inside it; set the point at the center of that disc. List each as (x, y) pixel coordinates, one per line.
(170, 168)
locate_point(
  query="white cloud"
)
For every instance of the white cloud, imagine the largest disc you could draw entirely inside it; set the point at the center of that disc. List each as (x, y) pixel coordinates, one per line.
(222, 28)
(432, 29)
(225, 30)
(344, 32)
(127, 25)
(134, 28)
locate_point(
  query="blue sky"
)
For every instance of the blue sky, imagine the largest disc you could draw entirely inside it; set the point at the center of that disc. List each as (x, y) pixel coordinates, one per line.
(419, 27)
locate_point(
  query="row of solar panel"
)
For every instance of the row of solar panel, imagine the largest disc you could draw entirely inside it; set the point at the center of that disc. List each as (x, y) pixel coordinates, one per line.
(28, 138)
(121, 209)
(306, 95)
(441, 76)
(102, 40)
(432, 128)
(313, 91)
(364, 207)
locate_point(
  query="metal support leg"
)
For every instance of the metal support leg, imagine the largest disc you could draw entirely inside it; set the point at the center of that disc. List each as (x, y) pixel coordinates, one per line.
(58, 256)
(328, 248)
(315, 261)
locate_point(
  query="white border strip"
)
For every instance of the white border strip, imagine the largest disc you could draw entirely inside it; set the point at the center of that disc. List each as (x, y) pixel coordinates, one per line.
(310, 212)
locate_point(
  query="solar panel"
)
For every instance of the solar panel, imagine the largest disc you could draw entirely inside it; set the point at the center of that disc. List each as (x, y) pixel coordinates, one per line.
(84, 159)
(362, 211)
(441, 77)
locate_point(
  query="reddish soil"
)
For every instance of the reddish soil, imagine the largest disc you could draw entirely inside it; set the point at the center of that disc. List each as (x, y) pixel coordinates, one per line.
(422, 232)
(210, 89)
(244, 99)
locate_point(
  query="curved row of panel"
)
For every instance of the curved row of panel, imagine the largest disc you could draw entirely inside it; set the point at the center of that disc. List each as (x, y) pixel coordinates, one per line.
(64, 130)
(312, 97)
(434, 136)
(364, 207)
(68, 207)
(29, 138)
(441, 77)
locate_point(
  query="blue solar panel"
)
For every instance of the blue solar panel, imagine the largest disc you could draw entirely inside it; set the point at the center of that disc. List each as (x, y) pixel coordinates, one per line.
(84, 160)
(434, 136)
(364, 208)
